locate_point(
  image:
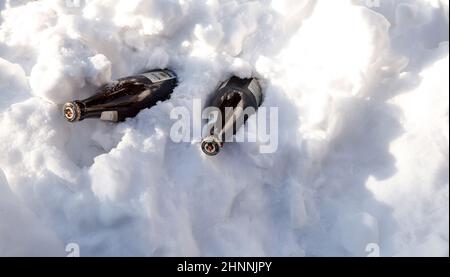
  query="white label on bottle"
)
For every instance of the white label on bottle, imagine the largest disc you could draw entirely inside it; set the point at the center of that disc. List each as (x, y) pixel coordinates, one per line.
(109, 116)
(255, 89)
(159, 76)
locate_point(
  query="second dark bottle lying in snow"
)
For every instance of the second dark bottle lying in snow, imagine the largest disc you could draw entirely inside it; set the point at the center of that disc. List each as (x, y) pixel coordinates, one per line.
(123, 98)
(232, 99)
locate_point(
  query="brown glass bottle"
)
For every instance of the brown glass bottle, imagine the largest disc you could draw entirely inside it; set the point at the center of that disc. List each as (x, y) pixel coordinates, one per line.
(123, 98)
(232, 99)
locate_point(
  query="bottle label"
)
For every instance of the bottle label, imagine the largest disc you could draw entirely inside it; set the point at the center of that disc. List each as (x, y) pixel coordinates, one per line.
(159, 76)
(255, 89)
(109, 116)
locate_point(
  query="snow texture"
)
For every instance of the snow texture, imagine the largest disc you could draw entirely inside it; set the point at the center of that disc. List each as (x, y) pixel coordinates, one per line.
(363, 154)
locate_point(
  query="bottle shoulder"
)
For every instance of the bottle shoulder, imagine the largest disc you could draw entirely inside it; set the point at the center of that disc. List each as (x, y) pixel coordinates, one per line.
(248, 90)
(247, 86)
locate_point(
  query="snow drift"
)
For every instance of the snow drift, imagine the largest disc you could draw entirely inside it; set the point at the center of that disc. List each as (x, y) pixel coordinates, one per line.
(363, 129)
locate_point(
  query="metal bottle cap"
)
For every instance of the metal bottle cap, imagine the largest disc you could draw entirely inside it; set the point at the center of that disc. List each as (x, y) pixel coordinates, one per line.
(211, 146)
(71, 111)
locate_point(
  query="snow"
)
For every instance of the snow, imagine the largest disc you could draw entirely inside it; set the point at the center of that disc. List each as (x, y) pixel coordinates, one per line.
(362, 156)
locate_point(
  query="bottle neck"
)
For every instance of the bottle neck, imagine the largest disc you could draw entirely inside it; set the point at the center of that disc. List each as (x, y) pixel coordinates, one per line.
(233, 118)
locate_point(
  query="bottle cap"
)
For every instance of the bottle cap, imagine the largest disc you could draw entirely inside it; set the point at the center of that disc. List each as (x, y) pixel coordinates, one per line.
(211, 145)
(72, 111)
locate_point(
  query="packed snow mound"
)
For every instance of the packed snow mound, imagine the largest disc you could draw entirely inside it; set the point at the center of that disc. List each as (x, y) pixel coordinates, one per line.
(362, 162)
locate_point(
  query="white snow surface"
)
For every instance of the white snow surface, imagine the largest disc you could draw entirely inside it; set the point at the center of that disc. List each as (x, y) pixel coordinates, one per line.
(363, 156)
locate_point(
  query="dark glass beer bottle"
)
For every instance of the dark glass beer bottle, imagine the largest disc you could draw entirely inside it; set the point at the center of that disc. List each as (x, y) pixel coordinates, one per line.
(232, 99)
(124, 97)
